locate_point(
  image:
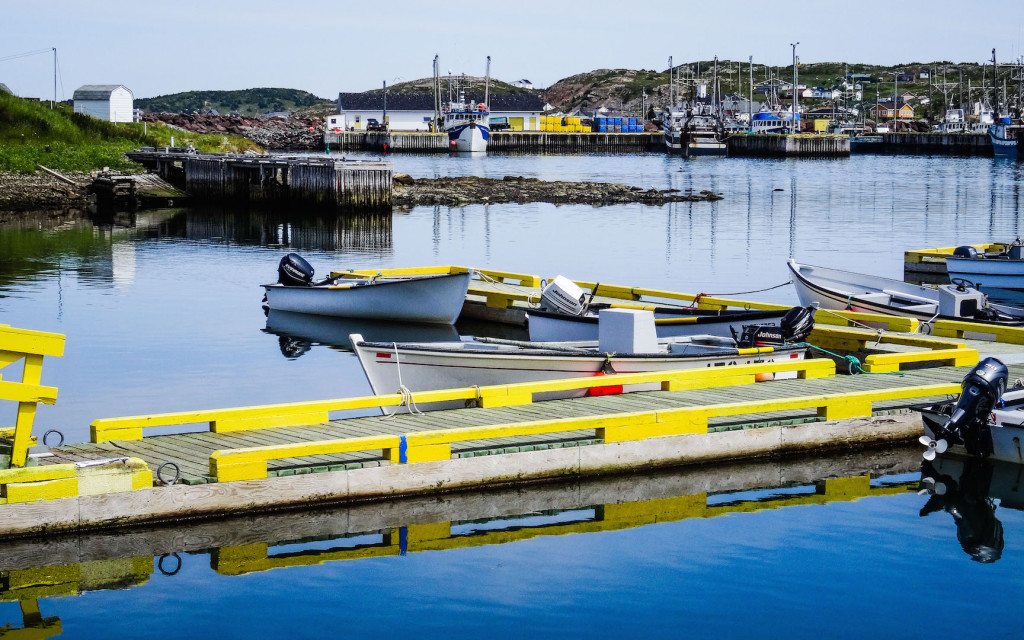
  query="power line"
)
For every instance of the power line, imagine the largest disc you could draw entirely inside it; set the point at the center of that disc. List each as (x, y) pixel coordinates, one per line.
(25, 54)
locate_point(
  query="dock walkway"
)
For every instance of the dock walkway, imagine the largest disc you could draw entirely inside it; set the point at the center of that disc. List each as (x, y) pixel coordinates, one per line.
(191, 452)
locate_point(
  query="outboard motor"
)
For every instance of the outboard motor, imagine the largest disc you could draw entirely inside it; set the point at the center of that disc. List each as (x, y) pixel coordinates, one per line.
(795, 326)
(966, 251)
(1016, 250)
(565, 296)
(294, 271)
(968, 423)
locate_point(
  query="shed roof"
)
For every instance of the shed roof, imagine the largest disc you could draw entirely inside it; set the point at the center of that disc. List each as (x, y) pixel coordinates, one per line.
(97, 91)
(424, 101)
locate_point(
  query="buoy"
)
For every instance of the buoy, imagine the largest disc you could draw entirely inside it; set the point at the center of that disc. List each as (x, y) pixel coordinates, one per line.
(611, 390)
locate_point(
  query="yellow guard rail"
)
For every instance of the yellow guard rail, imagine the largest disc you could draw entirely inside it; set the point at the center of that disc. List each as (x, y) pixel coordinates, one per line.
(30, 347)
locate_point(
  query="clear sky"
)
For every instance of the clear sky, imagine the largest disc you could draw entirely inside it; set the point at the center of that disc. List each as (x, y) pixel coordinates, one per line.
(157, 46)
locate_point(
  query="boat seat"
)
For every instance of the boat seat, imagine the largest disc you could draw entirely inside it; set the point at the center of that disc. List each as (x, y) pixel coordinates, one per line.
(920, 308)
(899, 295)
(881, 298)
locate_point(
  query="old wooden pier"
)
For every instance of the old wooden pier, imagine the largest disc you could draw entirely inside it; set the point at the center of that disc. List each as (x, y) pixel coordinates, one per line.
(502, 141)
(786, 145)
(307, 180)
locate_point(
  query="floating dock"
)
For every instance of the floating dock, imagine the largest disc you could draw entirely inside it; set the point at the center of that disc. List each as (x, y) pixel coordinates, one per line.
(306, 180)
(802, 145)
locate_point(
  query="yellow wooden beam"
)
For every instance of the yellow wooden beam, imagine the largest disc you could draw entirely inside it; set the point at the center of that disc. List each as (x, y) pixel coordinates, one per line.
(978, 331)
(888, 362)
(22, 392)
(250, 463)
(27, 341)
(31, 374)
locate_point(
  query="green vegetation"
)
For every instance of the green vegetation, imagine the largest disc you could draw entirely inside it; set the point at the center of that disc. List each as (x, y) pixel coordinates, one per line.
(31, 133)
(247, 102)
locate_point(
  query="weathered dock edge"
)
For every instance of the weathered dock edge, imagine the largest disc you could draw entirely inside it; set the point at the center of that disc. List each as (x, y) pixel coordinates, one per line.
(182, 502)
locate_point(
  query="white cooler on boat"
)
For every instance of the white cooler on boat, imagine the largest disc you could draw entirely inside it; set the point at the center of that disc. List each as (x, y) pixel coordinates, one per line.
(626, 331)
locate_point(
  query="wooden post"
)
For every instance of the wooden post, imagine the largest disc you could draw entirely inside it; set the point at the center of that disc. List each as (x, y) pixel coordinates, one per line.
(31, 374)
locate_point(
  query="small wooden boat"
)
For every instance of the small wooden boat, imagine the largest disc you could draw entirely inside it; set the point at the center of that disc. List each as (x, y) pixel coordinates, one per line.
(391, 366)
(670, 322)
(426, 299)
(845, 291)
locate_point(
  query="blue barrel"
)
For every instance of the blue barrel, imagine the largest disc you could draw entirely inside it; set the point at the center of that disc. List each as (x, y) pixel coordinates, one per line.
(632, 122)
(602, 128)
(618, 121)
(601, 121)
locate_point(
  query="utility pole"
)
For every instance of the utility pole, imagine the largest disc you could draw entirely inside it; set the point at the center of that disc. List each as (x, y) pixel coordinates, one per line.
(487, 84)
(52, 104)
(384, 114)
(796, 107)
(750, 96)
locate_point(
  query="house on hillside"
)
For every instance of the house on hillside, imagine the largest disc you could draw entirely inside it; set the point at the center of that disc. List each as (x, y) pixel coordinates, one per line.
(523, 84)
(110, 102)
(888, 111)
(413, 111)
(821, 93)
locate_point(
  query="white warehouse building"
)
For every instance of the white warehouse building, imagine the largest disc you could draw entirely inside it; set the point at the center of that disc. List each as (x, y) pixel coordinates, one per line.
(110, 102)
(413, 111)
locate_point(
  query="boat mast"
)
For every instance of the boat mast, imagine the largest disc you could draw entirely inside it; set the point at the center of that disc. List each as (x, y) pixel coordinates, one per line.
(796, 106)
(437, 90)
(487, 84)
(995, 88)
(671, 86)
(750, 93)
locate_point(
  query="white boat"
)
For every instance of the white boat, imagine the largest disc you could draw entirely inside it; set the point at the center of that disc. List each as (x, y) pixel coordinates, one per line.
(467, 126)
(552, 326)
(848, 291)
(298, 332)
(391, 366)
(999, 275)
(426, 298)
(695, 130)
(987, 421)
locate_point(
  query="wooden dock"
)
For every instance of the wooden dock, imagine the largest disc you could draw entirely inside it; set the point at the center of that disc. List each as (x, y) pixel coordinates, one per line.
(802, 145)
(963, 144)
(116, 192)
(252, 179)
(500, 141)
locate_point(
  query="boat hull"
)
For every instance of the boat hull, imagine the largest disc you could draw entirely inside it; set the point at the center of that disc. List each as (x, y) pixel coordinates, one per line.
(1002, 279)
(430, 299)
(428, 370)
(1002, 147)
(556, 327)
(471, 136)
(1007, 440)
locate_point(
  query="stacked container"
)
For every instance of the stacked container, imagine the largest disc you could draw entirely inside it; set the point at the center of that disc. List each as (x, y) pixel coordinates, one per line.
(563, 124)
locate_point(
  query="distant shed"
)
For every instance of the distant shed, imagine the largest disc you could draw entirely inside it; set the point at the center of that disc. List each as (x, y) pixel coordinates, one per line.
(111, 102)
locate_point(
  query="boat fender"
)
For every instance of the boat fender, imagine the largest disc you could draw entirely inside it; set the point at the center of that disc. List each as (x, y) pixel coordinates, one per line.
(610, 390)
(968, 423)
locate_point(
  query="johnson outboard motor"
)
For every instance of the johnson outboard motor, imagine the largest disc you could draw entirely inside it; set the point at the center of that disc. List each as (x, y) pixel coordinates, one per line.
(795, 326)
(968, 422)
(294, 271)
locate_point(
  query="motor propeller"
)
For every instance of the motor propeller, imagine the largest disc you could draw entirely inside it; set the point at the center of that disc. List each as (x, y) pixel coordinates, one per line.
(933, 447)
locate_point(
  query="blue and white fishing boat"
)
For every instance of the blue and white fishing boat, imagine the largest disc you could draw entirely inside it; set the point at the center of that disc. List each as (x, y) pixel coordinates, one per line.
(467, 126)
(998, 275)
(1005, 138)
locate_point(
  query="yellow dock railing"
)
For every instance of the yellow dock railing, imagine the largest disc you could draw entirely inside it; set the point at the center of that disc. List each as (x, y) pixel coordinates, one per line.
(316, 412)
(505, 298)
(29, 347)
(250, 463)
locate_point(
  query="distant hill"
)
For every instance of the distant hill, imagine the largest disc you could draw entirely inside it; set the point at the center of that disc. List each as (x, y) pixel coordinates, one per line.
(242, 101)
(623, 89)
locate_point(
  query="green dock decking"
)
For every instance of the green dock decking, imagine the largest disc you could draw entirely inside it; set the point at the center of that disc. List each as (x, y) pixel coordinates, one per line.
(191, 452)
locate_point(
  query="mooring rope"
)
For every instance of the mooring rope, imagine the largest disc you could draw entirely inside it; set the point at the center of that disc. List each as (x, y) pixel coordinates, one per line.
(498, 283)
(704, 294)
(407, 400)
(853, 363)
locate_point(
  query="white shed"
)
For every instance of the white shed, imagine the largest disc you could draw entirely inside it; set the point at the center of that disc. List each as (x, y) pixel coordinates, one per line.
(111, 102)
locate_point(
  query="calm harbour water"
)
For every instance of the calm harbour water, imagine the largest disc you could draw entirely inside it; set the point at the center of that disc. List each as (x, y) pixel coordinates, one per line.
(165, 315)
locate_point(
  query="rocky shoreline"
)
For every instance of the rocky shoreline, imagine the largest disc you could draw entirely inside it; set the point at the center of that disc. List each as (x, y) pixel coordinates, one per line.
(40, 192)
(467, 190)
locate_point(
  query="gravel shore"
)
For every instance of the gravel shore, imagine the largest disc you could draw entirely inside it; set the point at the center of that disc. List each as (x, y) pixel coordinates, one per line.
(41, 192)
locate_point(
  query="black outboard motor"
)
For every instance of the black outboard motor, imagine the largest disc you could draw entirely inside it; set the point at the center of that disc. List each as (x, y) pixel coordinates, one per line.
(968, 422)
(966, 498)
(966, 251)
(294, 271)
(795, 326)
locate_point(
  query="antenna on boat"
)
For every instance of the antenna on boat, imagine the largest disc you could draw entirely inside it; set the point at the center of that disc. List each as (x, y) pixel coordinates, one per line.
(437, 91)
(487, 84)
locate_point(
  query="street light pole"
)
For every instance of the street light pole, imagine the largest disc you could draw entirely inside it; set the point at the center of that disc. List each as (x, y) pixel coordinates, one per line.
(796, 107)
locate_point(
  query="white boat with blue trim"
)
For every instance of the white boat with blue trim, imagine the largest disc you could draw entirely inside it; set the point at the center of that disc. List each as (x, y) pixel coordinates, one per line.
(467, 126)
(429, 299)
(999, 275)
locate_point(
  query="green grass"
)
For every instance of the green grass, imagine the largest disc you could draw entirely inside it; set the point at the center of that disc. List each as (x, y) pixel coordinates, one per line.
(31, 133)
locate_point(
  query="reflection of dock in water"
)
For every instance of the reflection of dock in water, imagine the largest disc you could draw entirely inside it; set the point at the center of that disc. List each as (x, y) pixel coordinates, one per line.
(316, 232)
(74, 564)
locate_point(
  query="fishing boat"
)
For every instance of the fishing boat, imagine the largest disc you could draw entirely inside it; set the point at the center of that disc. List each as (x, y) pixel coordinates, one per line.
(694, 131)
(670, 322)
(627, 345)
(467, 126)
(848, 291)
(1005, 138)
(423, 298)
(998, 275)
(987, 421)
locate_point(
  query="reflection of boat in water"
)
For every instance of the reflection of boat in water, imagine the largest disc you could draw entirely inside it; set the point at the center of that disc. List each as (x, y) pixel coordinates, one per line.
(967, 489)
(298, 332)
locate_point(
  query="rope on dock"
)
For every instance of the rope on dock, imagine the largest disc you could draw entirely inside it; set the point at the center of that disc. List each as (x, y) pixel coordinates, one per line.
(704, 294)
